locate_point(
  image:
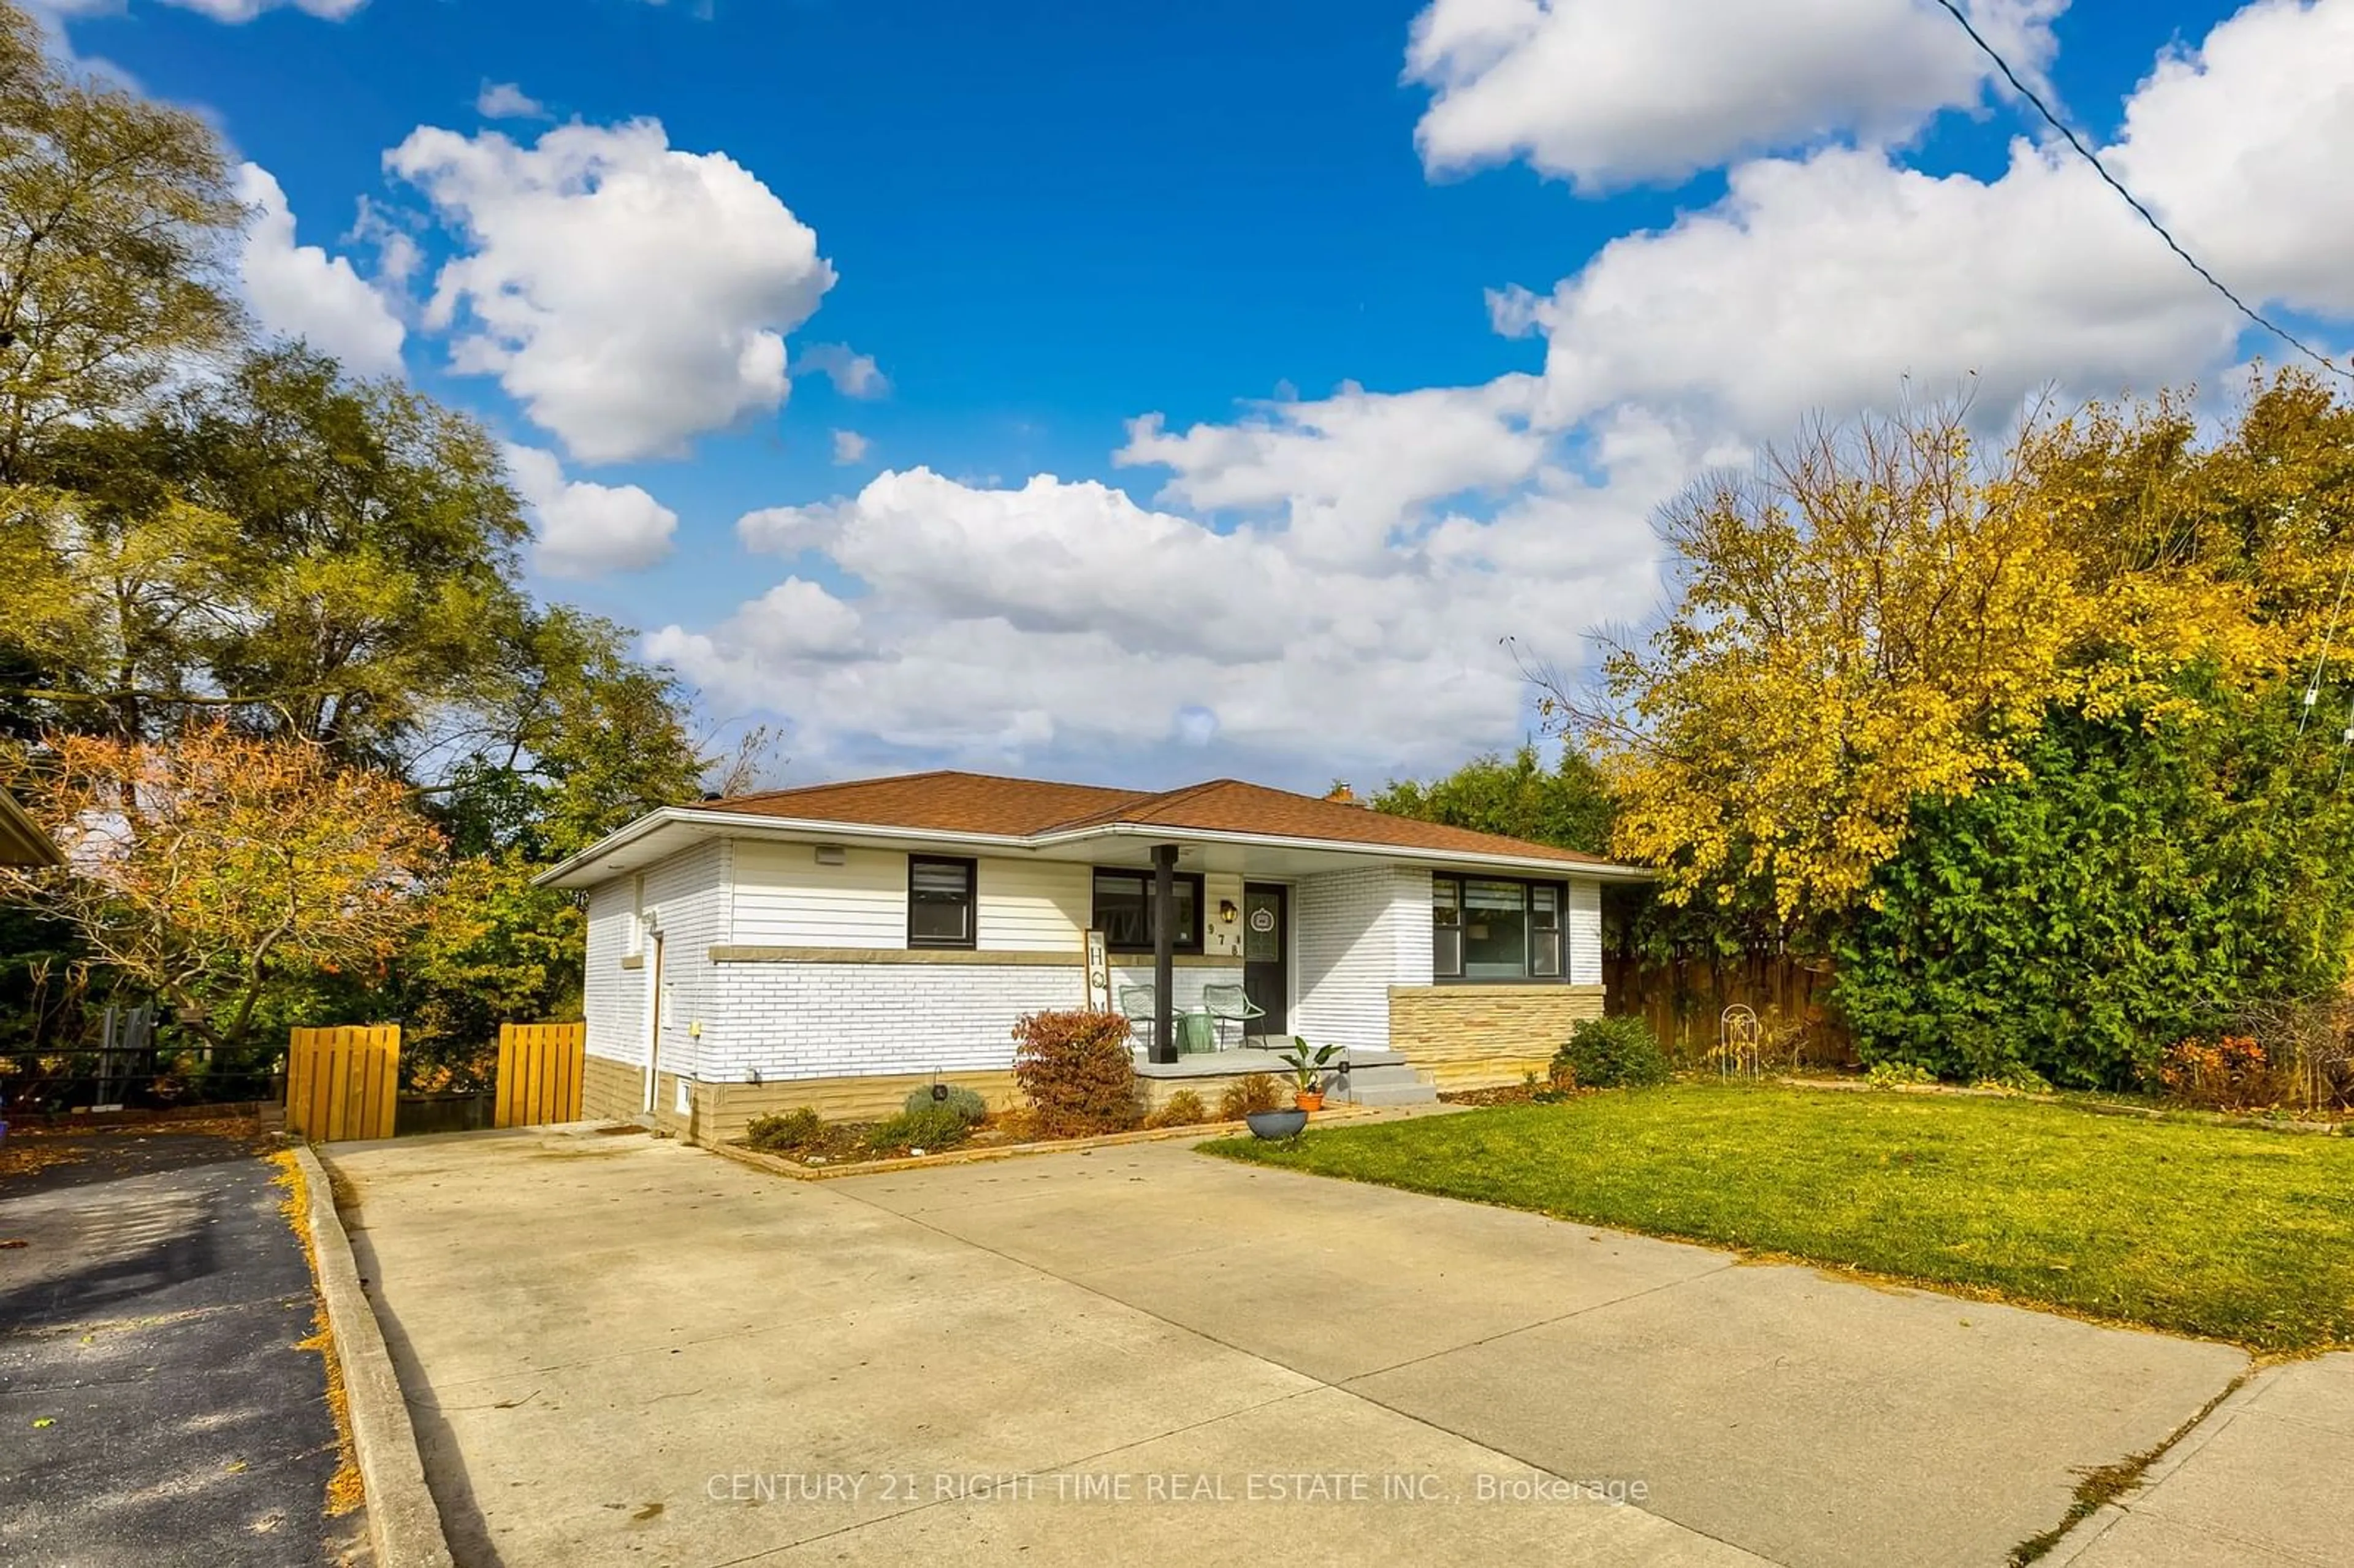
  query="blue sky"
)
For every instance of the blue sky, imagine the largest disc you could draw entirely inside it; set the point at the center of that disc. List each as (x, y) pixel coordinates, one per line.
(1043, 222)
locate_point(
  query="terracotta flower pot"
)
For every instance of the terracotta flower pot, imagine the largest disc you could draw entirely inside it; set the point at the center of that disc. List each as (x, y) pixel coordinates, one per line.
(1309, 1099)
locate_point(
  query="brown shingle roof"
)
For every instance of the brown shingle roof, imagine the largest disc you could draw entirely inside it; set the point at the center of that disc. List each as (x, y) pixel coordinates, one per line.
(1229, 805)
(943, 801)
(980, 803)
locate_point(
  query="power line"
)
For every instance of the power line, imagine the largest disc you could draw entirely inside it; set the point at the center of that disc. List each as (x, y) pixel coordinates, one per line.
(1953, 9)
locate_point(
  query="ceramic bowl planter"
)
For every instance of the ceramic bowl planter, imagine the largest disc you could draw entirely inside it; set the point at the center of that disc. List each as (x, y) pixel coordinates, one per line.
(1277, 1124)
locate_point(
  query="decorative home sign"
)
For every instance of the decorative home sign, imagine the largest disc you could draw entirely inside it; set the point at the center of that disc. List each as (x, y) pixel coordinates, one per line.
(1098, 974)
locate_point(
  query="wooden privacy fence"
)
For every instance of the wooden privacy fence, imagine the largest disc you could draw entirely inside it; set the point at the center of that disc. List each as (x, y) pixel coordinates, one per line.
(1684, 1000)
(540, 1068)
(342, 1083)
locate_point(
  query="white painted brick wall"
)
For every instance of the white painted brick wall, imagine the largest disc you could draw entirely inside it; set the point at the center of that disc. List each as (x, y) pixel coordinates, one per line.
(613, 998)
(1356, 933)
(1188, 980)
(1353, 944)
(823, 1021)
(688, 896)
(1409, 928)
(1585, 932)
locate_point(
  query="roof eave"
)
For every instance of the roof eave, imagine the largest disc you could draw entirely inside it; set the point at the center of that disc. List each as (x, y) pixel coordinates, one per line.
(574, 871)
(570, 873)
(23, 841)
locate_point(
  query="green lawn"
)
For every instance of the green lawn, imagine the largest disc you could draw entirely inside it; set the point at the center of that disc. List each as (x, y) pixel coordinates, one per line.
(2231, 1232)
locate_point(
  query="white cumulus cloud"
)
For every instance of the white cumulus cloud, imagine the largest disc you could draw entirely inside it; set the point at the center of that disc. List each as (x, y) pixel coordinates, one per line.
(1349, 470)
(1004, 624)
(850, 447)
(299, 291)
(1605, 92)
(234, 11)
(628, 295)
(854, 375)
(1825, 282)
(583, 529)
(507, 100)
(1322, 586)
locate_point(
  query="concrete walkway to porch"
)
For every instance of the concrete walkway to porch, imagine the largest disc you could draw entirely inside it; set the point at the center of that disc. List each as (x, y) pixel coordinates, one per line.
(622, 1351)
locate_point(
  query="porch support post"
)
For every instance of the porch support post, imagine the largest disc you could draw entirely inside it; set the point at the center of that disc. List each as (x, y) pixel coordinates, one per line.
(1165, 952)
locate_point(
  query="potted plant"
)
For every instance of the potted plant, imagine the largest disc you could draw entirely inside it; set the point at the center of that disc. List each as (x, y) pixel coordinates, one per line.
(1308, 1071)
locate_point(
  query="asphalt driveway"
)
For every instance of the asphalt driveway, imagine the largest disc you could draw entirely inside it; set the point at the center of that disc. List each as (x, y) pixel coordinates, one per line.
(155, 1406)
(619, 1350)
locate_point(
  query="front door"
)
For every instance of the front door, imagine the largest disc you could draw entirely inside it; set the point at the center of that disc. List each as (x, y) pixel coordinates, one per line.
(1266, 956)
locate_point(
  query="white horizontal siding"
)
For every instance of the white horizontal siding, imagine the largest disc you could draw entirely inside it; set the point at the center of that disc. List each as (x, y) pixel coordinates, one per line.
(1221, 939)
(785, 899)
(1034, 906)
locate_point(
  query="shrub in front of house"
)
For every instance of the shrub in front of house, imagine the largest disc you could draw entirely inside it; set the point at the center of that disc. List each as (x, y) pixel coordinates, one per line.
(929, 1129)
(783, 1134)
(1077, 1072)
(1247, 1096)
(1610, 1054)
(1184, 1108)
(966, 1103)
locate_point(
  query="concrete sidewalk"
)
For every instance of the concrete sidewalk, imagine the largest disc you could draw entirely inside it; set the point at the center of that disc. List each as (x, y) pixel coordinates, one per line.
(622, 1351)
(2267, 1480)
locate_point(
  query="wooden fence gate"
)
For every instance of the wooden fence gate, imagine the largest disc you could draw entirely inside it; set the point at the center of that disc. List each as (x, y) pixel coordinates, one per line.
(342, 1083)
(540, 1067)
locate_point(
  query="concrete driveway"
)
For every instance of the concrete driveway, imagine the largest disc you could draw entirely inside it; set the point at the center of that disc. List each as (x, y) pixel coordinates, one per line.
(621, 1351)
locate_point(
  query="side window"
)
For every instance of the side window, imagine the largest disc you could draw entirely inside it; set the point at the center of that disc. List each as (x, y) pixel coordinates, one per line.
(1544, 930)
(1445, 926)
(939, 902)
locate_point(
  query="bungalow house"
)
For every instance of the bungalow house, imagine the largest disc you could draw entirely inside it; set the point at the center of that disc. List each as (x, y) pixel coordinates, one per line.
(838, 944)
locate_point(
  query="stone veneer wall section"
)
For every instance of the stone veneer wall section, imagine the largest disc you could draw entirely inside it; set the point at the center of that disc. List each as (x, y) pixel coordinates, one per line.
(1478, 1037)
(723, 1111)
(611, 1091)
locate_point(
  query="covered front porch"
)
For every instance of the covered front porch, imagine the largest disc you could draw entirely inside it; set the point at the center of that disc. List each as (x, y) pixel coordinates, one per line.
(1422, 975)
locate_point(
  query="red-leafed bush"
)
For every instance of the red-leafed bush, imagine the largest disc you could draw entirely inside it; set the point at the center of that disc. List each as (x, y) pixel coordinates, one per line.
(2230, 1074)
(1078, 1072)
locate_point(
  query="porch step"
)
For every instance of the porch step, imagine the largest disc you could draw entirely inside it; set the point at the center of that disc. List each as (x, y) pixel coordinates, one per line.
(1394, 1095)
(1388, 1084)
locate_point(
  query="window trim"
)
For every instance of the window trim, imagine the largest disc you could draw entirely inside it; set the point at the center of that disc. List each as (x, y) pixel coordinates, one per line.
(1528, 975)
(1177, 943)
(971, 937)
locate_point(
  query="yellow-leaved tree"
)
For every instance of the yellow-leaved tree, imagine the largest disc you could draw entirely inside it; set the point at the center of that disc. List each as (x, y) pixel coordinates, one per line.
(213, 867)
(1885, 611)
